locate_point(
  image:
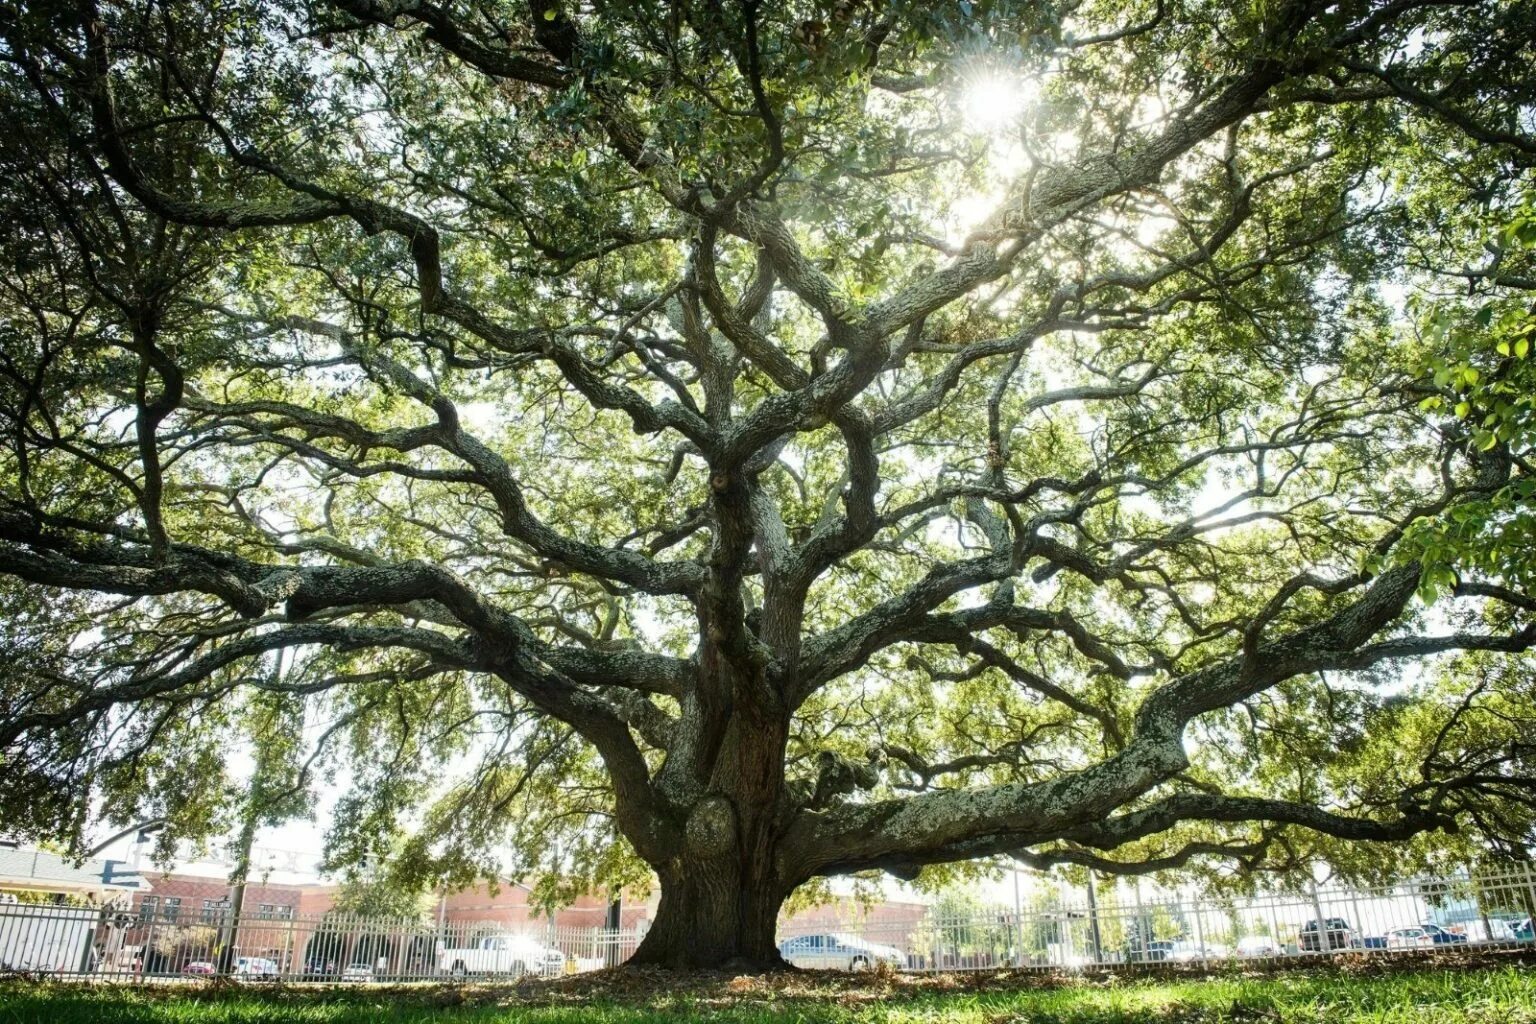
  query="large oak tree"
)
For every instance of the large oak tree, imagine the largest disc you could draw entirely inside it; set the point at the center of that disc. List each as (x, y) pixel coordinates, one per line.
(761, 441)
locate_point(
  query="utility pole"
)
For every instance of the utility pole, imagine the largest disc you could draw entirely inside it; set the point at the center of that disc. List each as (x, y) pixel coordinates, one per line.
(1018, 919)
(615, 916)
(1093, 921)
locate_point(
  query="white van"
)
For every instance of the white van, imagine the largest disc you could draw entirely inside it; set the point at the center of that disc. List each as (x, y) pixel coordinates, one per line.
(256, 968)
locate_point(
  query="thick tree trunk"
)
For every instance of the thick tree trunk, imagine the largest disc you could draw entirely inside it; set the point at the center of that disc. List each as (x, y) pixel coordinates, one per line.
(710, 916)
(721, 893)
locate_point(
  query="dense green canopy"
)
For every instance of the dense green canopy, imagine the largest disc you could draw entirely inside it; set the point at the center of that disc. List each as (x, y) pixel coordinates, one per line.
(748, 442)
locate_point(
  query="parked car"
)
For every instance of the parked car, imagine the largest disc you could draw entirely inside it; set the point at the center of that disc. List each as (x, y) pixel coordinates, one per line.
(1188, 951)
(357, 972)
(1409, 938)
(1334, 934)
(321, 969)
(1443, 936)
(508, 953)
(200, 967)
(839, 953)
(1154, 952)
(256, 968)
(1258, 945)
(1522, 930)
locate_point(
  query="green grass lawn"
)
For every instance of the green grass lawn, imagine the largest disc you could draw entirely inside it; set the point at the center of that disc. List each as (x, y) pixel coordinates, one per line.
(1500, 995)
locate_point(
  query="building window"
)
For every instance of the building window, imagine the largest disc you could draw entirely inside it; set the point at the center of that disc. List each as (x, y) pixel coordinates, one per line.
(211, 911)
(275, 912)
(148, 907)
(170, 908)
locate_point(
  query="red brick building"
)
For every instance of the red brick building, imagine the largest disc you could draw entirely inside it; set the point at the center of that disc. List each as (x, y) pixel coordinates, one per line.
(193, 899)
(510, 909)
(182, 919)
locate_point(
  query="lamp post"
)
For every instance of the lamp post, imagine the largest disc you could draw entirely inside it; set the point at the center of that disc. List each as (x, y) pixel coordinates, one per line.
(1093, 921)
(1018, 919)
(615, 918)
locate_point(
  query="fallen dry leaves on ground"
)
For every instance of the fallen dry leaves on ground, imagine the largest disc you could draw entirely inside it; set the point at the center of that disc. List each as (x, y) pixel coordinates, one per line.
(654, 988)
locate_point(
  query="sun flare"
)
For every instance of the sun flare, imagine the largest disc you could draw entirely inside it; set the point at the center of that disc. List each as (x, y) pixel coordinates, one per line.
(992, 103)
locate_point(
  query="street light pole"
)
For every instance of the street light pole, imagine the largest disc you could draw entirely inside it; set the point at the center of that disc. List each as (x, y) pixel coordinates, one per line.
(1093, 921)
(1018, 919)
(615, 917)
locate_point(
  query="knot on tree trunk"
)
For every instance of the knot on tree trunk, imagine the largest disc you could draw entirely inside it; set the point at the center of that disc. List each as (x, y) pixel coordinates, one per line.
(838, 775)
(711, 828)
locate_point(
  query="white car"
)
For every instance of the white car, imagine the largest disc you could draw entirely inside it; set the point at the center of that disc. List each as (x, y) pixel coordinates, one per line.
(1188, 952)
(256, 968)
(502, 954)
(1257, 945)
(839, 952)
(1410, 938)
(357, 972)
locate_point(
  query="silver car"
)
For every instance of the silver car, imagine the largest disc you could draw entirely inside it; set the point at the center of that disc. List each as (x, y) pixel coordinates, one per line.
(837, 952)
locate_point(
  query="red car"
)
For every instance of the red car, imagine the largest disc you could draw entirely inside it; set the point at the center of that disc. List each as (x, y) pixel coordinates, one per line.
(198, 967)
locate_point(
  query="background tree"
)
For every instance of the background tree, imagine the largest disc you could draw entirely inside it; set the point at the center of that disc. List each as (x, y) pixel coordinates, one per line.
(964, 929)
(173, 948)
(754, 442)
(369, 920)
(377, 897)
(276, 791)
